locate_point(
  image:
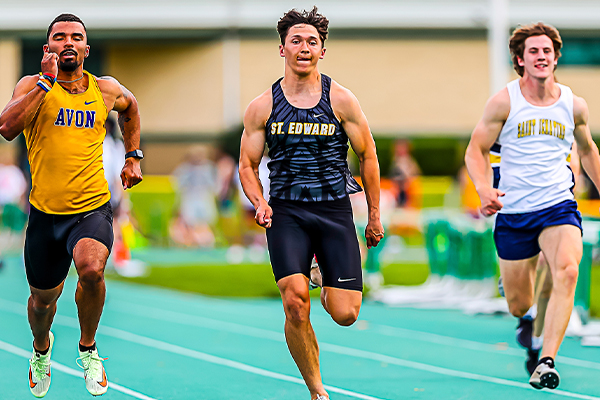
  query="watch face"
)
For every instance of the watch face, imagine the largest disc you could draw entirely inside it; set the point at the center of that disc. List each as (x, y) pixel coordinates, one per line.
(135, 153)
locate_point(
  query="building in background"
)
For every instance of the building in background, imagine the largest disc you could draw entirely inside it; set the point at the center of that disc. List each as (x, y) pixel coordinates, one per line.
(420, 67)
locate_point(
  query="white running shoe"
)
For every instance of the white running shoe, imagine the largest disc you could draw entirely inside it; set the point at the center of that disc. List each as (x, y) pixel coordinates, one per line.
(94, 374)
(321, 397)
(39, 371)
(544, 376)
(316, 279)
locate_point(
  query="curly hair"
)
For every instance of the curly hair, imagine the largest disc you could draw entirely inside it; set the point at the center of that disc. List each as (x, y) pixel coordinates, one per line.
(516, 44)
(64, 18)
(295, 17)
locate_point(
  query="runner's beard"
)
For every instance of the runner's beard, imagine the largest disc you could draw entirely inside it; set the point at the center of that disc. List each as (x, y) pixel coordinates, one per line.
(68, 66)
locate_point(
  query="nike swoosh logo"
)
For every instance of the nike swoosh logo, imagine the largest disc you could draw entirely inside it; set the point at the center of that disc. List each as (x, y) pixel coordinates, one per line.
(104, 381)
(346, 280)
(317, 115)
(87, 103)
(31, 383)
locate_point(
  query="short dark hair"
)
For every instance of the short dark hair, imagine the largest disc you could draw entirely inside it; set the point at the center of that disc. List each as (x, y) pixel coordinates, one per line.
(516, 44)
(64, 18)
(295, 17)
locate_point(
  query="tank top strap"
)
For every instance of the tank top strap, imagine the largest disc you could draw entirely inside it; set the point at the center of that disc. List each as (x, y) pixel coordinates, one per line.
(325, 88)
(277, 92)
(516, 97)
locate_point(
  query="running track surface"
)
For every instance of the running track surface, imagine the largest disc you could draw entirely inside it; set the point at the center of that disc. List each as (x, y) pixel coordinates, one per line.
(163, 344)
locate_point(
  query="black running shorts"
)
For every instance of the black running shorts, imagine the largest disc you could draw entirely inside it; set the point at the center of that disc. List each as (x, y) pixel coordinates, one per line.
(51, 238)
(302, 229)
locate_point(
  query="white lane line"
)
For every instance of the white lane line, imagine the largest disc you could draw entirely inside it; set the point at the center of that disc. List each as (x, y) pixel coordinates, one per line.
(172, 348)
(70, 322)
(186, 319)
(440, 370)
(70, 371)
(192, 320)
(470, 344)
(157, 344)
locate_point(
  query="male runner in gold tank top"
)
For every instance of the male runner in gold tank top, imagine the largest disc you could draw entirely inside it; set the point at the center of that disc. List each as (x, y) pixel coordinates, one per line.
(62, 113)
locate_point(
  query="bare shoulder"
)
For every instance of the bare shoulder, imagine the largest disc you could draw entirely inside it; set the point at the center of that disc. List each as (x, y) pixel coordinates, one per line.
(498, 106)
(109, 85)
(580, 110)
(259, 109)
(344, 102)
(27, 83)
(341, 95)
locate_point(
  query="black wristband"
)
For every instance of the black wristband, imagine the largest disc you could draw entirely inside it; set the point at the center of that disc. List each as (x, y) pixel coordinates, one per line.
(135, 154)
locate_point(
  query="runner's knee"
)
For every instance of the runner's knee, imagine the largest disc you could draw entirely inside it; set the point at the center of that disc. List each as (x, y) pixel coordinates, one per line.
(40, 305)
(91, 274)
(346, 316)
(567, 276)
(296, 307)
(518, 309)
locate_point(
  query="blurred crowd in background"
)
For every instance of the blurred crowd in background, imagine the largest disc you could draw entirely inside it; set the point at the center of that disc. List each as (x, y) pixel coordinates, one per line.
(202, 205)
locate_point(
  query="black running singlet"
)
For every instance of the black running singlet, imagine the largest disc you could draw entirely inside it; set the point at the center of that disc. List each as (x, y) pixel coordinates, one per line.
(308, 148)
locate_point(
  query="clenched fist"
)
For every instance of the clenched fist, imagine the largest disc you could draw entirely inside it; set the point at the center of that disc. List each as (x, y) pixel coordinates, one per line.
(50, 63)
(131, 174)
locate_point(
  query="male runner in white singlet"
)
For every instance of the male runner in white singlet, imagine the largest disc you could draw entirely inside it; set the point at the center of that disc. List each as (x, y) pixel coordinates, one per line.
(533, 122)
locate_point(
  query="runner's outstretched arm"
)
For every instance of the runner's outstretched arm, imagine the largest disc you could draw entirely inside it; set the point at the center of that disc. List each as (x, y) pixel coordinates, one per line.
(586, 148)
(126, 105)
(477, 154)
(347, 108)
(251, 150)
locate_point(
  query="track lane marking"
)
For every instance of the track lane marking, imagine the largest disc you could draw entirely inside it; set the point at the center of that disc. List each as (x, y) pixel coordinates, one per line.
(204, 322)
(70, 322)
(157, 344)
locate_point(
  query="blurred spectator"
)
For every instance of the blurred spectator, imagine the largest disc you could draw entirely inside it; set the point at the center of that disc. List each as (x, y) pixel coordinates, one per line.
(197, 181)
(13, 190)
(13, 185)
(113, 160)
(226, 173)
(403, 172)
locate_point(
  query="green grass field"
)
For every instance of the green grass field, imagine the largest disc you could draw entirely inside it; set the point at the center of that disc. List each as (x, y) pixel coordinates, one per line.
(248, 280)
(256, 280)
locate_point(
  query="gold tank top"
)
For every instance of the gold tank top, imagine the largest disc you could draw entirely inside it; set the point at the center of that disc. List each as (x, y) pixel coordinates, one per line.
(64, 144)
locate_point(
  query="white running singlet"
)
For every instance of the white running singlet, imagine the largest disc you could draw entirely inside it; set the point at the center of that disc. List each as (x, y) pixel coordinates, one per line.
(536, 142)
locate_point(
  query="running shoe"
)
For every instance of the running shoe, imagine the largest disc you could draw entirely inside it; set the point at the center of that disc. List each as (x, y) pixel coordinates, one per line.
(545, 376)
(94, 374)
(316, 279)
(39, 371)
(525, 332)
(532, 360)
(321, 397)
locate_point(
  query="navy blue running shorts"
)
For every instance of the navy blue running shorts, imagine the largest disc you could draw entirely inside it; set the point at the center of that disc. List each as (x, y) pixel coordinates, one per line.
(516, 235)
(326, 229)
(50, 240)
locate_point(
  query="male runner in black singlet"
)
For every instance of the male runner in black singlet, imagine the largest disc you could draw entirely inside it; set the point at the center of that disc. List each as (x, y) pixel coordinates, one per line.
(307, 119)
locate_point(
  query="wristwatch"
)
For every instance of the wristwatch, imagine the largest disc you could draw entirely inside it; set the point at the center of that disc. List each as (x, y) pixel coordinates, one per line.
(135, 154)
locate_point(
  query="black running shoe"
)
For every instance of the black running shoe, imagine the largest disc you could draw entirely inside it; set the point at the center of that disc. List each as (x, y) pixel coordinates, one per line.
(525, 332)
(532, 360)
